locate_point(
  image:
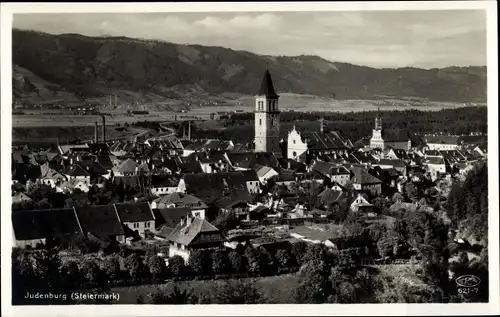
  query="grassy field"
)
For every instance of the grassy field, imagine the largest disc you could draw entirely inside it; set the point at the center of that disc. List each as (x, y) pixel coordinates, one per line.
(275, 289)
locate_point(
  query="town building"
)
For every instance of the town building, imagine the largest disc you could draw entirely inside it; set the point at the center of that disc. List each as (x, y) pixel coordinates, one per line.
(194, 234)
(267, 117)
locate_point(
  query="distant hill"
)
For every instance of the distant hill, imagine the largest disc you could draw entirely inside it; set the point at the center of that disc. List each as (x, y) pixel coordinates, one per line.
(75, 67)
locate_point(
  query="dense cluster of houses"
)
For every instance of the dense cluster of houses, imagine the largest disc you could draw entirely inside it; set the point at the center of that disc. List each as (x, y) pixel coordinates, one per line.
(183, 184)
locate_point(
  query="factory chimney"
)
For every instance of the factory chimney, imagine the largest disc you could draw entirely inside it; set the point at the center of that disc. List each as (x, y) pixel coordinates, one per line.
(116, 101)
(321, 127)
(103, 129)
(96, 137)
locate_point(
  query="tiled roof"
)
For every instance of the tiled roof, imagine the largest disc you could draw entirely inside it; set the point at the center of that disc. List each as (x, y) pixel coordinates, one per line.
(180, 200)
(267, 87)
(101, 221)
(186, 235)
(158, 181)
(170, 217)
(361, 176)
(47, 223)
(134, 212)
(76, 170)
(442, 139)
(128, 166)
(325, 141)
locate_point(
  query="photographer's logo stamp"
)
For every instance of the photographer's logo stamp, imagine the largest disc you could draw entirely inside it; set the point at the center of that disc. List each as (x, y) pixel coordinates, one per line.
(468, 281)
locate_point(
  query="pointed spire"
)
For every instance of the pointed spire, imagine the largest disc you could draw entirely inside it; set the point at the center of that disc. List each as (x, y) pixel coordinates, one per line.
(267, 87)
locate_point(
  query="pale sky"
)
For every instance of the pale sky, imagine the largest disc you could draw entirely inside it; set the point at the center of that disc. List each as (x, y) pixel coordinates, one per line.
(424, 39)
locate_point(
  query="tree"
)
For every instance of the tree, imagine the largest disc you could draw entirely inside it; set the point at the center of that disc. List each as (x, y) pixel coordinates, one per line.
(134, 265)
(267, 264)
(299, 249)
(92, 273)
(411, 191)
(177, 265)
(220, 262)
(70, 275)
(237, 262)
(253, 260)
(235, 291)
(397, 197)
(200, 262)
(156, 266)
(111, 267)
(283, 258)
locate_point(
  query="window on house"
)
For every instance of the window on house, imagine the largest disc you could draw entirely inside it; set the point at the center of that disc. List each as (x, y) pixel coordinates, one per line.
(260, 121)
(272, 122)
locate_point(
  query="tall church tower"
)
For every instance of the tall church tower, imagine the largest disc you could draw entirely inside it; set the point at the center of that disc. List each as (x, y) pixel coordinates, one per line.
(267, 117)
(377, 141)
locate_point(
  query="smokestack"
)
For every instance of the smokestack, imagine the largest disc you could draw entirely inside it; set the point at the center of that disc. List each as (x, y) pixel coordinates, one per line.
(116, 100)
(96, 140)
(189, 130)
(103, 129)
(321, 128)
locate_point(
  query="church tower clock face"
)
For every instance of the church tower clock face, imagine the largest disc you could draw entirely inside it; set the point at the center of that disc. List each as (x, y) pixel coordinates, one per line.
(267, 118)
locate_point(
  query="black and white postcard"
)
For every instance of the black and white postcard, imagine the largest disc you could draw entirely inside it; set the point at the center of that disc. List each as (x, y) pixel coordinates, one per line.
(249, 158)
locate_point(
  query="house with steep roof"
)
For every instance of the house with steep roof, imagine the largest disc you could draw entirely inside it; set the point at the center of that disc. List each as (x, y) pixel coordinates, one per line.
(163, 184)
(101, 223)
(50, 176)
(436, 166)
(137, 217)
(442, 142)
(128, 167)
(32, 227)
(364, 181)
(398, 165)
(76, 172)
(336, 173)
(194, 234)
(21, 198)
(72, 185)
(166, 220)
(264, 173)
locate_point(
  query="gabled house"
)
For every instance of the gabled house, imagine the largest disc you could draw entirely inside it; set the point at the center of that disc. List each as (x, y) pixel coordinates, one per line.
(21, 198)
(194, 234)
(442, 142)
(138, 217)
(32, 227)
(166, 220)
(180, 200)
(228, 204)
(101, 223)
(72, 185)
(76, 172)
(359, 203)
(364, 181)
(50, 176)
(336, 173)
(265, 173)
(436, 166)
(127, 168)
(163, 184)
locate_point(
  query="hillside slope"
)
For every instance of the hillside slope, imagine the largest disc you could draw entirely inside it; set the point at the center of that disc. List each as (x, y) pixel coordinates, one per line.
(79, 67)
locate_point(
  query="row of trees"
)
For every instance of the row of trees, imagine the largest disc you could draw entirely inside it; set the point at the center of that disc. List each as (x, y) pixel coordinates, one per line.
(357, 125)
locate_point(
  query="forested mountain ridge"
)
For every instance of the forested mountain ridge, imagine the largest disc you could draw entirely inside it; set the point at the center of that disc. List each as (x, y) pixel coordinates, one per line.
(83, 67)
